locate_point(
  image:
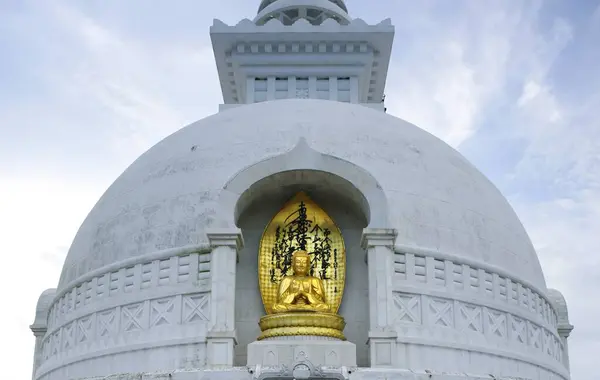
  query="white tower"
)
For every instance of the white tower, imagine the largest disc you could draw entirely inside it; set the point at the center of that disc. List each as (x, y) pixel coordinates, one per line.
(303, 49)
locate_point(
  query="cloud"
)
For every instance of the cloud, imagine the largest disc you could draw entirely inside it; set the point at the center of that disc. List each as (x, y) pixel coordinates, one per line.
(447, 70)
(127, 93)
(92, 99)
(555, 187)
(490, 83)
(564, 232)
(39, 218)
(140, 83)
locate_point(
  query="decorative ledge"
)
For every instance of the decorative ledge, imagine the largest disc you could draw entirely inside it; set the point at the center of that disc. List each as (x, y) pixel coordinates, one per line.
(248, 26)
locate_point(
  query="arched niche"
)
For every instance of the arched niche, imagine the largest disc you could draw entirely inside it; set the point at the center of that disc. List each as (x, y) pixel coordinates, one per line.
(345, 205)
(348, 193)
(351, 180)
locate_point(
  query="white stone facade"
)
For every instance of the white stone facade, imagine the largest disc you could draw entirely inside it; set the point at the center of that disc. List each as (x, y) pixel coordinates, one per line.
(442, 280)
(302, 60)
(136, 293)
(412, 182)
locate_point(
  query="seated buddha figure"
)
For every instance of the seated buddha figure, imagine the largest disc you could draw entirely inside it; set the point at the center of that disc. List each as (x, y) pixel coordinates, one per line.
(300, 291)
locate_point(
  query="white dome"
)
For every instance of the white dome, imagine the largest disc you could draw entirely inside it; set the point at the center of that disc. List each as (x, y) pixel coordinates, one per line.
(437, 200)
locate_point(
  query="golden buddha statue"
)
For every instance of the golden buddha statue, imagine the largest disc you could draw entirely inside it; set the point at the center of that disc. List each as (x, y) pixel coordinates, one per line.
(297, 303)
(300, 291)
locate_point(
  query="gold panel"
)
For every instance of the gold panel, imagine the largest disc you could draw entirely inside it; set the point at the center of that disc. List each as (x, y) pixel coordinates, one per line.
(302, 225)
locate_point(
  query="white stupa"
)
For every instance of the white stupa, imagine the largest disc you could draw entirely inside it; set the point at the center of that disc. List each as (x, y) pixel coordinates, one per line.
(442, 281)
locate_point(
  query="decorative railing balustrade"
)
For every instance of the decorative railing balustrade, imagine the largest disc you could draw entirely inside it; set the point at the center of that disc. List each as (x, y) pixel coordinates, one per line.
(95, 311)
(432, 289)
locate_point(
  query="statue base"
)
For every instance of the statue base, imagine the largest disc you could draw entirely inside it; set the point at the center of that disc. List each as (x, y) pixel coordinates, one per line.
(286, 352)
(302, 324)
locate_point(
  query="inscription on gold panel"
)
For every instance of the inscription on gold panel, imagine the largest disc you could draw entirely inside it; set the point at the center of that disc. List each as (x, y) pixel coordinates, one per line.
(301, 225)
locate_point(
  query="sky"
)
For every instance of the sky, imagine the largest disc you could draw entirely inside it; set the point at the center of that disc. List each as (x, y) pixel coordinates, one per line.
(88, 86)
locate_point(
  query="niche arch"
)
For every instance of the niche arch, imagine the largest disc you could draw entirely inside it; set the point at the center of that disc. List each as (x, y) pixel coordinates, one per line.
(241, 190)
(349, 195)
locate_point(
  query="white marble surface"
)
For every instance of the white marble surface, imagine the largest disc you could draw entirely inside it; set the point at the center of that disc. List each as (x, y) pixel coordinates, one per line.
(445, 283)
(295, 49)
(243, 373)
(136, 279)
(328, 353)
(170, 195)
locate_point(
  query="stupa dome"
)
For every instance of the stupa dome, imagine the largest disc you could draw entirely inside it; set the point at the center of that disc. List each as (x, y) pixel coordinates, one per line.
(436, 199)
(416, 265)
(147, 273)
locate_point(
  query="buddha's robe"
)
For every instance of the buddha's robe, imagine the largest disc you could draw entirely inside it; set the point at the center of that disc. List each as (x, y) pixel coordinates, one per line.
(301, 293)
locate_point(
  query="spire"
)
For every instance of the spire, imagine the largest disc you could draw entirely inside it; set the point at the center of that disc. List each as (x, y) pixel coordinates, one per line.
(314, 11)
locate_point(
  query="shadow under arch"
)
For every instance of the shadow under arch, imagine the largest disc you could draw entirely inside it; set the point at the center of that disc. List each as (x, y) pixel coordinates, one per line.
(305, 168)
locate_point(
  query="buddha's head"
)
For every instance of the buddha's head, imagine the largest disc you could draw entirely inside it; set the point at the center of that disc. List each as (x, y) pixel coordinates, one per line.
(301, 263)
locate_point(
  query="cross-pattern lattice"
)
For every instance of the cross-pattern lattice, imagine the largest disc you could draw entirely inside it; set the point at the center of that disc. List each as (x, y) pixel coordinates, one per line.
(106, 323)
(161, 312)
(497, 323)
(408, 308)
(56, 343)
(302, 93)
(535, 336)
(519, 330)
(441, 312)
(195, 308)
(68, 336)
(84, 329)
(471, 317)
(558, 351)
(131, 317)
(548, 343)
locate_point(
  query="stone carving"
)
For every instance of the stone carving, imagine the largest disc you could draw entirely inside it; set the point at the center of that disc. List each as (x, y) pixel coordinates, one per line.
(105, 285)
(106, 323)
(79, 335)
(68, 335)
(300, 370)
(84, 331)
(500, 289)
(535, 339)
(302, 93)
(98, 329)
(497, 323)
(132, 317)
(162, 311)
(441, 312)
(519, 329)
(471, 317)
(408, 307)
(195, 308)
(489, 322)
